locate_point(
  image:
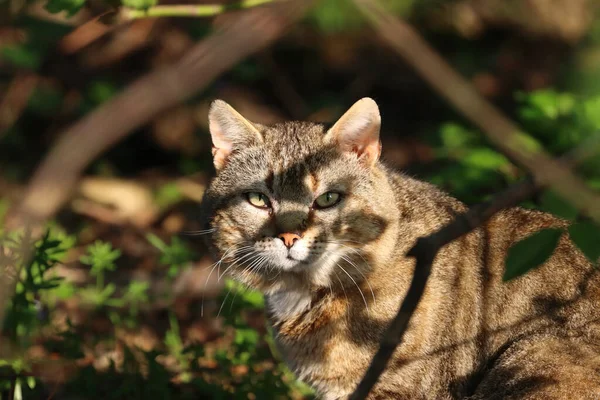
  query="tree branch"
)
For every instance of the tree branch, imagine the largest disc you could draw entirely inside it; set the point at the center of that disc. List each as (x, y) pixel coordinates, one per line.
(57, 175)
(424, 251)
(502, 132)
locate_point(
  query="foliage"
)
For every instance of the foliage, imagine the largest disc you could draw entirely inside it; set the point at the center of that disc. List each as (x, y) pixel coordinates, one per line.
(101, 257)
(243, 362)
(176, 255)
(470, 166)
(246, 364)
(586, 236)
(561, 121)
(531, 252)
(71, 7)
(26, 313)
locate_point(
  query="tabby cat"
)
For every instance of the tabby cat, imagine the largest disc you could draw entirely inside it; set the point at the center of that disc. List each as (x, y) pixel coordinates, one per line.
(307, 214)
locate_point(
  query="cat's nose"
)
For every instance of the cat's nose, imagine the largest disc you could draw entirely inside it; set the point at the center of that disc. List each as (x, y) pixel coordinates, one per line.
(288, 239)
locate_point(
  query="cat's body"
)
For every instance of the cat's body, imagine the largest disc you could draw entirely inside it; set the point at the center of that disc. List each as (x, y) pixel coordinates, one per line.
(335, 275)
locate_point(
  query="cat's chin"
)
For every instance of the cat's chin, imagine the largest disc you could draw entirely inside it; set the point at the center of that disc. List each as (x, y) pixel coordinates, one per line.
(289, 263)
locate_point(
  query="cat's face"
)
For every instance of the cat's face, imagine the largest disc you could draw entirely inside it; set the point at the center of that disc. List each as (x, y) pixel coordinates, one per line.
(295, 200)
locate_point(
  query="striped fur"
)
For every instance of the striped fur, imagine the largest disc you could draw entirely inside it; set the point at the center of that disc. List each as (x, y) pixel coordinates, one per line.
(472, 336)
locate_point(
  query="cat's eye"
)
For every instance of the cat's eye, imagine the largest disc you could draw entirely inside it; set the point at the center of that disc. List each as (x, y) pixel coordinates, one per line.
(326, 200)
(258, 200)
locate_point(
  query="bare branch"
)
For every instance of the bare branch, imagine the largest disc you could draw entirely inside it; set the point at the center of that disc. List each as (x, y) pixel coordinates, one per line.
(57, 175)
(53, 181)
(502, 132)
(15, 100)
(424, 251)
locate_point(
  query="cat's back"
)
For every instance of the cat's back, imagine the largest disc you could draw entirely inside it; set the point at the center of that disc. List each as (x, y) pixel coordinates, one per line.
(563, 292)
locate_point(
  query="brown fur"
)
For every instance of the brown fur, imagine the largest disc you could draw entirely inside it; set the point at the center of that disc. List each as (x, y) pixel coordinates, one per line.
(472, 335)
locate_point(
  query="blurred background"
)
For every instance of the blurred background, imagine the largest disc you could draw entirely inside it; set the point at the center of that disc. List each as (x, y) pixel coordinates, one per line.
(120, 299)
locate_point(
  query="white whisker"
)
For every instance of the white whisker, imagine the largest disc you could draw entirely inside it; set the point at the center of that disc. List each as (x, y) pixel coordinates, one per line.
(213, 266)
(360, 272)
(224, 301)
(236, 261)
(199, 233)
(341, 284)
(357, 252)
(252, 261)
(356, 284)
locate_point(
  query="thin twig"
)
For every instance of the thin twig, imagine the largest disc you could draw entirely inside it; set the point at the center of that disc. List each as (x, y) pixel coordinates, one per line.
(504, 134)
(425, 251)
(94, 29)
(189, 10)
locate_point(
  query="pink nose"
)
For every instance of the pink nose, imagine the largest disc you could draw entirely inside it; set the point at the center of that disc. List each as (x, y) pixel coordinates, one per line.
(288, 239)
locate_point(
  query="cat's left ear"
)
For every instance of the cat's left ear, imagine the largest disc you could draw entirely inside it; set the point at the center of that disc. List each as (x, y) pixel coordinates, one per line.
(358, 131)
(229, 131)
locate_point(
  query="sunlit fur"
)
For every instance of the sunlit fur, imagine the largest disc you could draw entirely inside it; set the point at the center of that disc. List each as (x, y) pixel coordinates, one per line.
(332, 294)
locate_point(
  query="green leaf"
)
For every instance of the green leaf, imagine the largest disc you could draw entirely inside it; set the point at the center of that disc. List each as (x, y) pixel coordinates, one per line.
(455, 136)
(253, 298)
(547, 104)
(101, 91)
(484, 158)
(108, 291)
(137, 291)
(168, 194)
(246, 336)
(65, 290)
(530, 252)
(586, 235)
(591, 111)
(70, 6)
(22, 56)
(101, 256)
(156, 242)
(552, 203)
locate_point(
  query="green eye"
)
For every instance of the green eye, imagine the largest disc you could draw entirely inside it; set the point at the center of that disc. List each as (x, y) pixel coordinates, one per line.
(258, 200)
(327, 200)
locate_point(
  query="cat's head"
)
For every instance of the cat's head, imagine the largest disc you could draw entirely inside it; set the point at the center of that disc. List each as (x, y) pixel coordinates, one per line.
(296, 203)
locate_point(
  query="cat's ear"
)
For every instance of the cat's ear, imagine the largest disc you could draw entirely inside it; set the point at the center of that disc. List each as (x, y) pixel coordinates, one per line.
(229, 131)
(358, 131)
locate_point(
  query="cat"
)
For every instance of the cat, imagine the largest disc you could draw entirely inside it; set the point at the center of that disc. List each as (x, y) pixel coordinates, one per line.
(308, 214)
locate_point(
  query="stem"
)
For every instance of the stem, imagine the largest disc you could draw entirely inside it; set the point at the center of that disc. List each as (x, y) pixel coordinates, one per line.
(100, 281)
(204, 10)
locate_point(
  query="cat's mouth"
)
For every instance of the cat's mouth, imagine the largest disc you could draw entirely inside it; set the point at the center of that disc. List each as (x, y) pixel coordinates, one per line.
(295, 258)
(299, 261)
(291, 262)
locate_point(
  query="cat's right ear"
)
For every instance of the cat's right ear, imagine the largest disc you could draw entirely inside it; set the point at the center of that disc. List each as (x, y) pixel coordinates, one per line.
(229, 131)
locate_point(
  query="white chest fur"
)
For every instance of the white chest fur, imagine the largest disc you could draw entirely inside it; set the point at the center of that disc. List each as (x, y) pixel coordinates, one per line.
(287, 304)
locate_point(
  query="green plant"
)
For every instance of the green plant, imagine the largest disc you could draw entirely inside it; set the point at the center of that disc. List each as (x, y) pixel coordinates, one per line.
(561, 121)
(100, 257)
(252, 353)
(26, 313)
(175, 255)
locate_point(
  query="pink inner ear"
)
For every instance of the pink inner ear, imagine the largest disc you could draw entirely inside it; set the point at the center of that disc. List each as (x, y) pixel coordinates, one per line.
(360, 136)
(220, 157)
(357, 130)
(222, 146)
